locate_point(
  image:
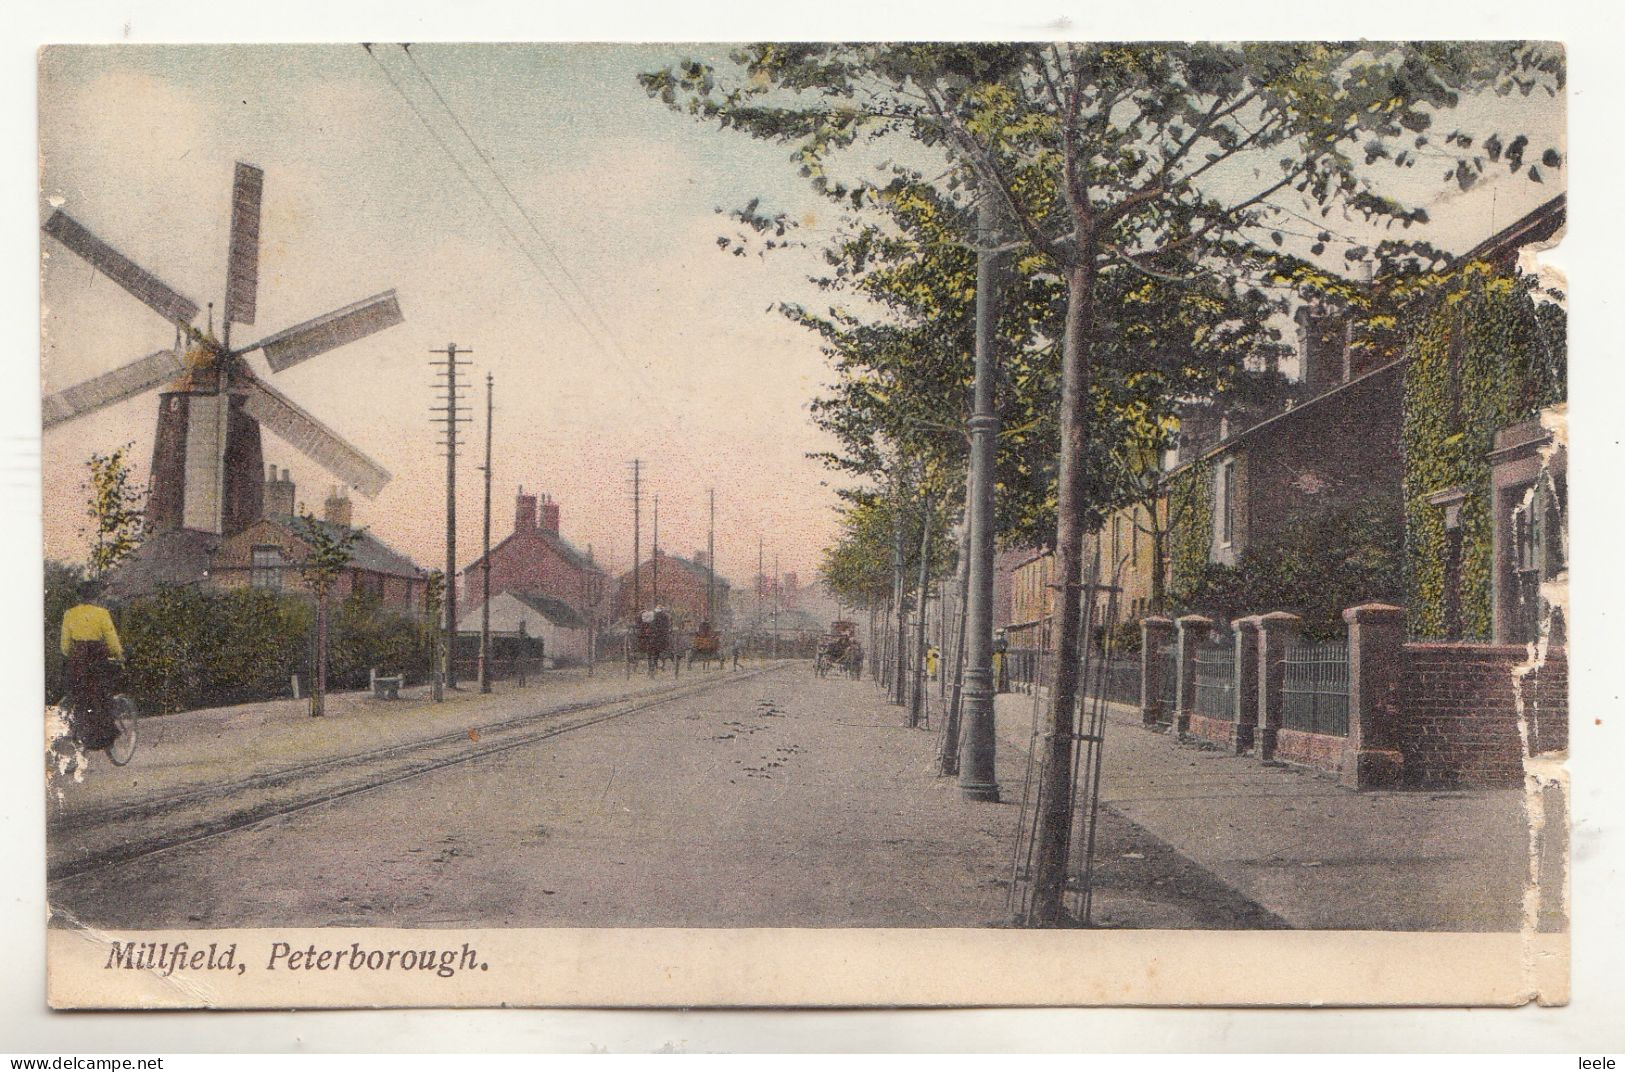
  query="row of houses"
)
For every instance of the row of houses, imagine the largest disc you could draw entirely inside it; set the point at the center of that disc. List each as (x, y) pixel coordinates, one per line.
(1440, 447)
(541, 585)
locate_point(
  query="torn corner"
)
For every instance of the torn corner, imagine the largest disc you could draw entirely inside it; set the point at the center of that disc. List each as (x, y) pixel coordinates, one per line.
(1540, 694)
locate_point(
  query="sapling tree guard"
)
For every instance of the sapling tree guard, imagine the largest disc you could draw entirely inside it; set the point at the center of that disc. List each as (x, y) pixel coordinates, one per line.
(331, 549)
(1160, 161)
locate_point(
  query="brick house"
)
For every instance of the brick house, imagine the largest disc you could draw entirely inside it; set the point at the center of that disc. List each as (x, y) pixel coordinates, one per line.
(1486, 474)
(535, 559)
(679, 585)
(267, 554)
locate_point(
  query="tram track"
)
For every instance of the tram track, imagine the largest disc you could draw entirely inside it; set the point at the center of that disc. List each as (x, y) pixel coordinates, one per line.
(124, 831)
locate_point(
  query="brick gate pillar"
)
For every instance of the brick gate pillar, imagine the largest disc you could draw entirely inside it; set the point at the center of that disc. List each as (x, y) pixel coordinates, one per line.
(1155, 634)
(1376, 646)
(1192, 629)
(1276, 632)
(1245, 711)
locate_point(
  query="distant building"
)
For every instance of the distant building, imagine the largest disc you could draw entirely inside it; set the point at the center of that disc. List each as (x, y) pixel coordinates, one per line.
(679, 586)
(532, 616)
(537, 561)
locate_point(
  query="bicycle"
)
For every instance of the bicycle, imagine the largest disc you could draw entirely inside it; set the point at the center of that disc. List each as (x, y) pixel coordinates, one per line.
(126, 716)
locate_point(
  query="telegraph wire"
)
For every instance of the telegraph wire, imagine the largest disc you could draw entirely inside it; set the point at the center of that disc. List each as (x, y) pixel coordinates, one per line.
(523, 248)
(506, 189)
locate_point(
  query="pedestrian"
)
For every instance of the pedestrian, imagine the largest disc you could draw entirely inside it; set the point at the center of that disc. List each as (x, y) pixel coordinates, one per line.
(933, 658)
(736, 654)
(92, 647)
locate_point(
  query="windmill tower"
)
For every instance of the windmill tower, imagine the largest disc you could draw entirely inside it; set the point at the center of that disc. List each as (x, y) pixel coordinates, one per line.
(207, 464)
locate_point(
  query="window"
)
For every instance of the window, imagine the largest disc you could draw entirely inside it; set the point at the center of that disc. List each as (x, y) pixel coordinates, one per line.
(1225, 502)
(267, 568)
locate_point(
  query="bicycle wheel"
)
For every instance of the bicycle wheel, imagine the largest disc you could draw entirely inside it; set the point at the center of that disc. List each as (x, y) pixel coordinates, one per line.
(126, 716)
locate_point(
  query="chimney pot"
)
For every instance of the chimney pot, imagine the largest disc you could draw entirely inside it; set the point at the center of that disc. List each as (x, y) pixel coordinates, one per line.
(279, 500)
(524, 512)
(337, 509)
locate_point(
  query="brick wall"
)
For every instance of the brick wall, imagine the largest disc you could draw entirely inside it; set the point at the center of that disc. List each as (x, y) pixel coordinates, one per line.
(1219, 731)
(1459, 720)
(1318, 751)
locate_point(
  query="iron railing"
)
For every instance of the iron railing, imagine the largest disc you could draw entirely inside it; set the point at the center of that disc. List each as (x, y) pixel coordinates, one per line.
(1216, 679)
(1315, 688)
(1166, 656)
(1020, 670)
(1122, 680)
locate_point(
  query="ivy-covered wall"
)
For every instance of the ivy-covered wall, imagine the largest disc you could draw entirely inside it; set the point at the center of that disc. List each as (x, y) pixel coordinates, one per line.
(1485, 355)
(1190, 532)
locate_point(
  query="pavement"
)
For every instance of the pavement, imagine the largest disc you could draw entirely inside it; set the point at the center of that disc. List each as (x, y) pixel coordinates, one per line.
(1299, 846)
(772, 799)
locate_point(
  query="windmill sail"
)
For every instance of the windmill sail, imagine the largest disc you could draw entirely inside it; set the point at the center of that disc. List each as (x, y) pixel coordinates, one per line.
(304, 341)
(243, 262)
(313, 439)
(126, 381)
(147, 288)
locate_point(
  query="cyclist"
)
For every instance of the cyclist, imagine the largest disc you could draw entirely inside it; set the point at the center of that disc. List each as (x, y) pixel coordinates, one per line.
(93, 651)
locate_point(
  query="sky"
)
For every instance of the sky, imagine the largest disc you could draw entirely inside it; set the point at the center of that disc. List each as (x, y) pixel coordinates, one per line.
(687, 369)
(636, 338)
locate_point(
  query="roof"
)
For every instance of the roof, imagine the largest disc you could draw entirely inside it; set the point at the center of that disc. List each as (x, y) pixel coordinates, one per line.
(1538, 226)
(367, 553)
(172, 559)
(567, 552)
(1340, 392)
(688, 565)
(556, 611)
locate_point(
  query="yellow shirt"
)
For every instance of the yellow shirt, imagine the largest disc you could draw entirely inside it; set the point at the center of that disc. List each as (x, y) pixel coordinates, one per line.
(90, 622)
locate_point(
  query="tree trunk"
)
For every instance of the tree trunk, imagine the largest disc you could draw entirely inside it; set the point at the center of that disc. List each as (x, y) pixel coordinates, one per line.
(1159, 566)
(318, 695)
(899, 623)
(1055, 785)
(916, 709)
(948, 757)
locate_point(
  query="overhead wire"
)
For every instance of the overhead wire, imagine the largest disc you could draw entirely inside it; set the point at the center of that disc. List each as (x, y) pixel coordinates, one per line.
(517, 240)
(517, 204)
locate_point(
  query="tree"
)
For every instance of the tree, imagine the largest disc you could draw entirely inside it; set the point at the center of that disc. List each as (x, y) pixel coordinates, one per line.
(331, 549)
(117, 510)
(434, 600)
(1157, 160)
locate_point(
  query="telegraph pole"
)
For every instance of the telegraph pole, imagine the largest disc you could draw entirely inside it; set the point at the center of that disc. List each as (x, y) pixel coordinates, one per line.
(453, 388)
(654, 559)
(776, 593)
(711, 563)
(485, 560)
(637, 541)
(976, 774)
(761, 579)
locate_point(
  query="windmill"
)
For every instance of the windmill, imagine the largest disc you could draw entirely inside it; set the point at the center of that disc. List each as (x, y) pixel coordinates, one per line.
(207, 466)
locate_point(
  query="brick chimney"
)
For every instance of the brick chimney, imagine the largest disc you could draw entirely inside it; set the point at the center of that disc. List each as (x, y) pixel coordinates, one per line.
(1323, 348)
(278, 493)
(524, 512)
(336, 511)
(550, 515)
